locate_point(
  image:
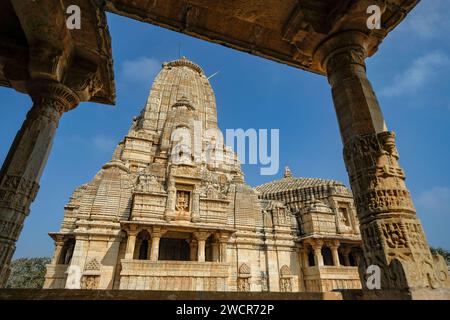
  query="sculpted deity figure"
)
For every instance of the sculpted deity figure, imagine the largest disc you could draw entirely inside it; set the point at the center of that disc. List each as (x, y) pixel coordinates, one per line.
(182, 204)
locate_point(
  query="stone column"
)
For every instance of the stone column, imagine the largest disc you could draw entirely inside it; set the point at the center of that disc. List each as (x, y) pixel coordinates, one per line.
(156, 237)
(334, 252)
(223, 246)
(171, 199)
(149, 248)
(155, 248)
(201, 251)
(26, 159)
(354, 223)
(131, 243)
(201, 240)
(346, 252)
(318, 258)
(59, 244)
(195, 206)
(193, 249)
(304, 257)
(392, 235)
(215, 251)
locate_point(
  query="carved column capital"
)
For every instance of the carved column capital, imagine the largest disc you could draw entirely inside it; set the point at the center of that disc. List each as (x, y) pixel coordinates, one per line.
(334, 245)
(157, 232)
(132, 230)
(317, 244)
(345, 250)
(201, 235)
(342, 51)
(222, 237)
(61, 97)
(51, 99)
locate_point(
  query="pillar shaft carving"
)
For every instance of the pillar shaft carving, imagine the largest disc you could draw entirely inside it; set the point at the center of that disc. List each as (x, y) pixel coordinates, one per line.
(317, 248)
(57, 255)
(201, 242)
(392, 235)
(335, 253)
(22, 169)
(156, 235)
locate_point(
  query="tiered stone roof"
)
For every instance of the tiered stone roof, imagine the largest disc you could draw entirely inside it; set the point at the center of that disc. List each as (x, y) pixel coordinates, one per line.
(289, 182)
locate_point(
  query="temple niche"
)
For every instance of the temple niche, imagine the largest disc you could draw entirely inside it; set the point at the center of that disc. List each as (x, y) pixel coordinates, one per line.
(156, 217)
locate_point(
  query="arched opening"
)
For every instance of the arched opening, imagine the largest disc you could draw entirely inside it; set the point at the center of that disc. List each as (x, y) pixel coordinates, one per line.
(341, 259)
(311, 260)
(142, 246)
(355, 255)
(210, 248)
(327, 256)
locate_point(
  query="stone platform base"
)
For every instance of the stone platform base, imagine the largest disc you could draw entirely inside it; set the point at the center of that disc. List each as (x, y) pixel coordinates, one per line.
(412, 294)
(71, 294)
(66, 294)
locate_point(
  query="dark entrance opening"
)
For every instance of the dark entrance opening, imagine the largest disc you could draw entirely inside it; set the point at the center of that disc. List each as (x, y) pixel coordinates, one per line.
(174, 249)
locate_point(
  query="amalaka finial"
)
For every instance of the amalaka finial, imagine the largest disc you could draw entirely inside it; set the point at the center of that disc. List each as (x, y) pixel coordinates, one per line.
(287, 172)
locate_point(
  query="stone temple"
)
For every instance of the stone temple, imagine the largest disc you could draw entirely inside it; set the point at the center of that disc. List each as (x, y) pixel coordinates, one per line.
(148, 222)
(113, 235)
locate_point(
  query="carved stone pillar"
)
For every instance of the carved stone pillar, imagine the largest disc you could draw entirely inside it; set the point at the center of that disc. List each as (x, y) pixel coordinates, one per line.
(201, 240)
(346, 254)
(303, 260)
(193, 249)
(156, 237)
(131, 244)
(392, 235)
(195, 206)
(318, 258)
(171, 199)
(223, 246)
(26, 159)
(215, 251)
(304, 257)
(335, 254)
(59, 244)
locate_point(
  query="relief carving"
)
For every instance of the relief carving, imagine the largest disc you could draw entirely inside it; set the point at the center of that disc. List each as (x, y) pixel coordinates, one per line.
(90, 282)
(244, 275)
(214, 186)
(394, 235)
(182, 204)
(285, 279)
(147, 182)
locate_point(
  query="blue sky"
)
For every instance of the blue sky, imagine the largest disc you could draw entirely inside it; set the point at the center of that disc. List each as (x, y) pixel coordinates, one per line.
(409, 74)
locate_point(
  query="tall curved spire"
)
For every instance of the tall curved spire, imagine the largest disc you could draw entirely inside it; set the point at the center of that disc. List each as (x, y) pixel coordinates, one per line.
(179, 80)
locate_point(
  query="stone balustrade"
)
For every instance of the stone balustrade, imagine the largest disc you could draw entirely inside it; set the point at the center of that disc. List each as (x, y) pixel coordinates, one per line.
(174, 275)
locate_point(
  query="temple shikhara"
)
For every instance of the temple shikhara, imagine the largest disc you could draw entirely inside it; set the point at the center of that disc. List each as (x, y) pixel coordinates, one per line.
(150, 221)
(153, 218)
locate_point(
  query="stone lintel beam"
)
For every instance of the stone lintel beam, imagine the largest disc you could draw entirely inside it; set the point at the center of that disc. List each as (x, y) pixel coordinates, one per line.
(49, 40)
(283, 31)
(42, 47)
